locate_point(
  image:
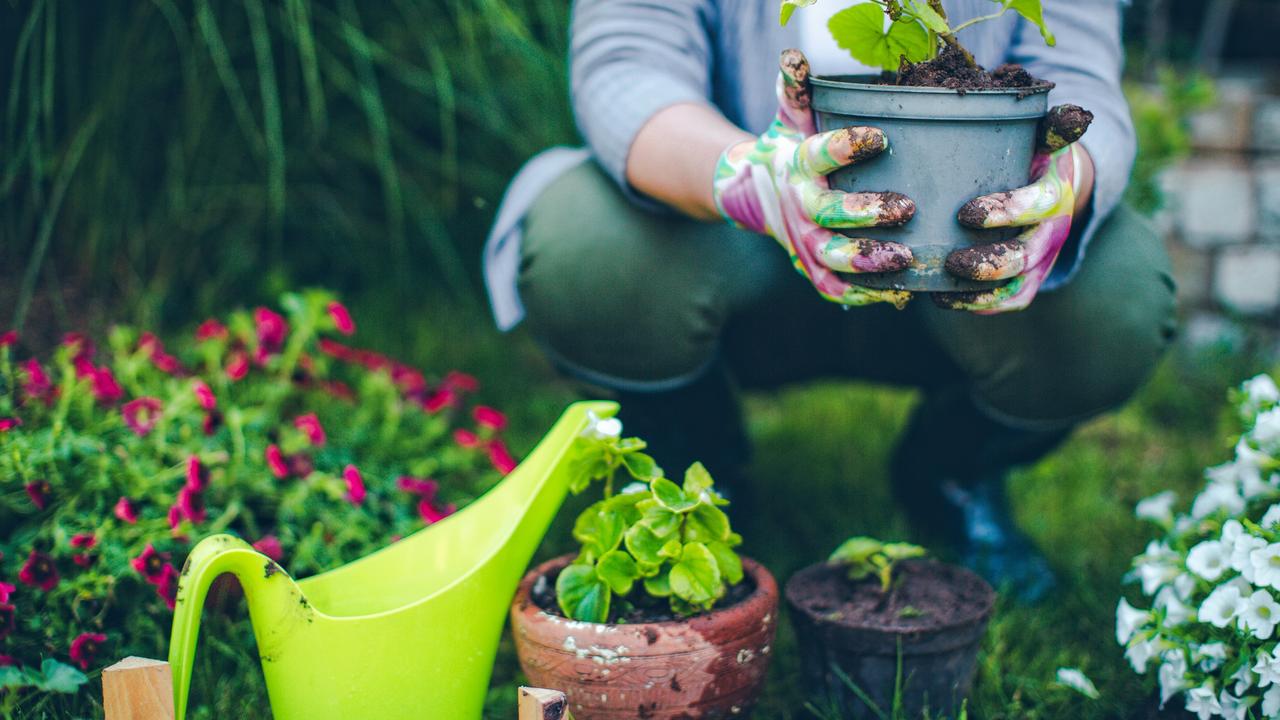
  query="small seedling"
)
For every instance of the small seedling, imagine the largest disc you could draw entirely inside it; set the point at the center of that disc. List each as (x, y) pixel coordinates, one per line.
(917, 29)
(864, 557)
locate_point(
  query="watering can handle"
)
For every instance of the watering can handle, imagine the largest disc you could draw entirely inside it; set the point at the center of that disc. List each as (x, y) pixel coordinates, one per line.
(212, 557)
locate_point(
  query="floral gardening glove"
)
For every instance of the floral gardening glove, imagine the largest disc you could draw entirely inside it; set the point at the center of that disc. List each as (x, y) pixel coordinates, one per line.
(1044, 208)
(776, 185)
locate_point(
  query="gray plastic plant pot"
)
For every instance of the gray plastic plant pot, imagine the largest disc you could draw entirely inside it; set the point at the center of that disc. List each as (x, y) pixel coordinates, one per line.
(946, 147)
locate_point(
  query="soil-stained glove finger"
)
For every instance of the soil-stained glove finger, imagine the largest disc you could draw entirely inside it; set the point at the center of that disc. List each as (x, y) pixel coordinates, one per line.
(827, 152)
(857, 296)
(794, 95)
(1013, 208)
(1063, 125)
(837, 209)
(1001, 299)
(859, 255)
(994, 261)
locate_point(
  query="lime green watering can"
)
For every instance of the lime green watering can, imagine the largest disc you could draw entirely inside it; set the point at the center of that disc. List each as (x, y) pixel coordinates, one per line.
(410, 631)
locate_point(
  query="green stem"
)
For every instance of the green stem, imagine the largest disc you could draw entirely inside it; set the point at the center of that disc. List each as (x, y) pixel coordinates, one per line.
(977, 20)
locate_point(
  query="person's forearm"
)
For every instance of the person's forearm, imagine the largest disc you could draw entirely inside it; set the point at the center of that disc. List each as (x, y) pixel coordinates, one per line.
(674, 156)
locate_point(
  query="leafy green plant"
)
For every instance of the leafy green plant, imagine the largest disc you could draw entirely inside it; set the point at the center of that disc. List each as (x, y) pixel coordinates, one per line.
(864, 557)
(652, 540)
(917, 29)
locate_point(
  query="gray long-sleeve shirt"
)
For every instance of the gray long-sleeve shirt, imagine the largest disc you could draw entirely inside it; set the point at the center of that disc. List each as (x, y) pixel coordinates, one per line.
(631, 58)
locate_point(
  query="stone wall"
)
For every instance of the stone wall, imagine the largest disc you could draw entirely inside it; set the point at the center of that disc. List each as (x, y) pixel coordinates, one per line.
(1222, 208)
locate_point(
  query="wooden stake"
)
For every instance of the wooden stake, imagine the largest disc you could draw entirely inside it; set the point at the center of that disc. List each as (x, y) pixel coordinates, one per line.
(539, 704)
(138, 689)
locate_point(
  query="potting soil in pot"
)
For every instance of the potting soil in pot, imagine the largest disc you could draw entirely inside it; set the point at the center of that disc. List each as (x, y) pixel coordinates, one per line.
(951, 69)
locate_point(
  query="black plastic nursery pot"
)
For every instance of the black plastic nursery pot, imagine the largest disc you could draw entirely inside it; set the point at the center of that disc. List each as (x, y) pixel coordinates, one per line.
(946, 147)
(841, 628)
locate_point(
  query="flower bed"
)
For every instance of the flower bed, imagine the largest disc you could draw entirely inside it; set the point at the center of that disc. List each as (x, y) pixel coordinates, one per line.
(113, 463)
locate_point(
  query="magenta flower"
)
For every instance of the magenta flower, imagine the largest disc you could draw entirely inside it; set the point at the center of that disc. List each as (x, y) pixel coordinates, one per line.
(175, 519)
(191, 504)
(269, 545)
(211, 330)
(39, 571)
(431, 513)
(276, 463)
(500, 457)
(150, 564)
(85, 647)
(440, 399)
(142, 414)
(341, 318)
(237, 365)
(271, 330)
(408, 379)
(39, 492)
(167, 585)
(8, 338)
(197, 475)
(337, 350)
(81, 346)
(489, 417)
(84, 542)
(154, 349)
(355, 485)
(5, 591)
(460, 382)
(309, 424)
(465, 438)
(35, 383)
(125, 510)
(204, 395)
(104, 385)
(9, 423)
(300, 465)
(426, 488)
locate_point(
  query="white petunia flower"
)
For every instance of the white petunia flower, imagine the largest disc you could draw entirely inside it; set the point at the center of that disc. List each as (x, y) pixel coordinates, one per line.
(1259, 392)
(1184, 584)
(1078, 681)
(1234, 708)
(1218, 496)
(1244, 681)
(1268, 668)
(1209, 559)
(1158, 508)
(1128, 620)
(1271, 702)
(1221, 607)
(1140, 652)
(1266, 430)
(1176, 611)
(1271, 517)
(1155, 567)
(1203, 702)
(1241, 552)
(1261, 613)
(1266, 565)
(1210, 656)
(1172, 675)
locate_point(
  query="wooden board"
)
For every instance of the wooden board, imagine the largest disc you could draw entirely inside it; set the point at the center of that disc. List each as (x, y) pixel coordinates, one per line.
(138, 689)
(539, 704)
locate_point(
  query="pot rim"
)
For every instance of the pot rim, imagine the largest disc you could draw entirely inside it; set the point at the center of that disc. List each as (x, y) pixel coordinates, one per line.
(765, 595)
(836, 81)
(984, 613)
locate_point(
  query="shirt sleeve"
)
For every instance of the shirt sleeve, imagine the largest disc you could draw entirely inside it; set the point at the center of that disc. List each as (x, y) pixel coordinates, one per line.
(1086, 65)
(628, 60)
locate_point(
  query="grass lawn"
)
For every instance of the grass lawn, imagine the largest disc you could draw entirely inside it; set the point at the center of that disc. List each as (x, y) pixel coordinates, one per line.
(822, 485)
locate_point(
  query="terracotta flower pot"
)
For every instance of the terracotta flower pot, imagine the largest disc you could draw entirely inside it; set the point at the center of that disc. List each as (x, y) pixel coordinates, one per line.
(837, 627)
(709, 666)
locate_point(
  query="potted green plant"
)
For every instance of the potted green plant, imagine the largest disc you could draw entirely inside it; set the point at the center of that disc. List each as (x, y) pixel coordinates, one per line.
(940, 110)
(656, 615)
(880, 627)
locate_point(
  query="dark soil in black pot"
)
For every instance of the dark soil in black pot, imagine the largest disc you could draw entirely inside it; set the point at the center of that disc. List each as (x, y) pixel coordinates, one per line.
(934, 615)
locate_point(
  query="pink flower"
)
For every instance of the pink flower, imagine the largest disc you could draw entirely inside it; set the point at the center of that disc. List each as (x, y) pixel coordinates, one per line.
(426, 488)
(142, 414)
(501, 458)
(9, 423)
(154, 349)
(465, 438)
(211, 329)
(460, 382)
(309, 424)
(175, 519)
(212, 421)
(5, 591)
(9, 338)
(85, 542)
(167, 586)
(440, 399)
(271, 330)
(204, 395)
(150, 564)
(341, 318)
(125, 510)
(191, 504)
(431, 513)
(39, 571)
(237, 365)
(85, 647)
(35, 383)
(300, 465)
(276, 463)
(488, 417)
(197, 475)
(337, 350)
(39, 492)
(269, 545)
(104, 385)
(81, 346)
(355, 485)
(407, 379)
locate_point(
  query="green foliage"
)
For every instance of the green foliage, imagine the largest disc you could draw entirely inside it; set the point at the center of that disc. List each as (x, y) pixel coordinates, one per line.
(114, 463)
(864, 557)
(1160, 117)
(916, 31)
(654, 539)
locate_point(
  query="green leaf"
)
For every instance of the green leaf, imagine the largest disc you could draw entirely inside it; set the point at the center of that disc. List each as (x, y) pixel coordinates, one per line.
(902, 551)
(697, 479)
(641, 466)
(598, 529)
(60, 677)
(12, 676)
(696, 578)
(659, 585)
(856, 550)
(582, 594)
(789, 6)
(644, 544)
(728, 561)
(672, 550)
(1034, 13)
(670, 496)
(707, 523)
(927, 15)
(662, 521)
(619, 570)
(861, 30)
